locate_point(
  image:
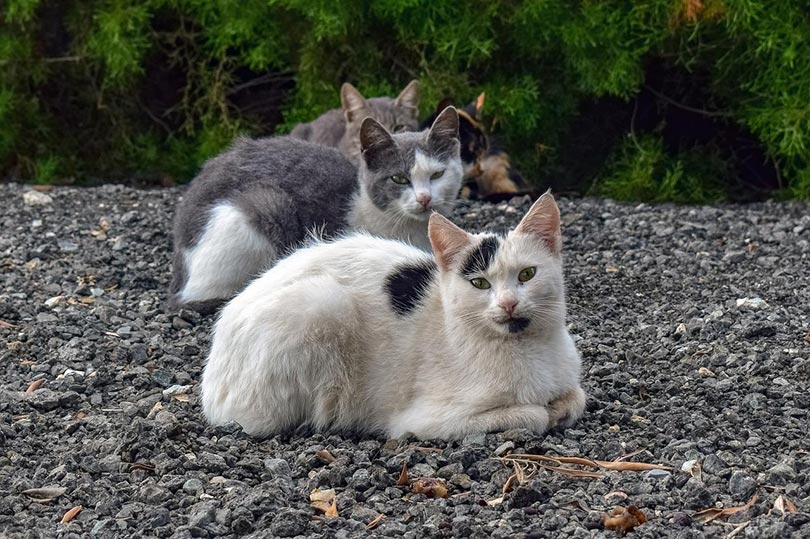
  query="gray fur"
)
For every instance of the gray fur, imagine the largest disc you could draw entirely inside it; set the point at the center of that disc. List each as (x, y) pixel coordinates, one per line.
(286, 186)
(282, 188)
(340, 128)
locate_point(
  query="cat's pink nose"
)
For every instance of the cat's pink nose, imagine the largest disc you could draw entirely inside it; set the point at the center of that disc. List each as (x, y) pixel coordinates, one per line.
(423, 199)
(508, 305)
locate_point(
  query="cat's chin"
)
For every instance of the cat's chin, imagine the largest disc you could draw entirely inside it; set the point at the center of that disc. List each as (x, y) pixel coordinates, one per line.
(511, 326)
(419, 215)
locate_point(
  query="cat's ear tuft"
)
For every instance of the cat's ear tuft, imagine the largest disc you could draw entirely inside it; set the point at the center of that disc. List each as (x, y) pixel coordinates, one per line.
(443, 136)
(409, 96)
(447, 240)
(542, 222)
(354, 104)
(375, 142)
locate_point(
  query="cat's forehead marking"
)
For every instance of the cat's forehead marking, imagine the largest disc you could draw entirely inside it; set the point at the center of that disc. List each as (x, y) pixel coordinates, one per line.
(424, 165)
(480, 257)
(407, 285)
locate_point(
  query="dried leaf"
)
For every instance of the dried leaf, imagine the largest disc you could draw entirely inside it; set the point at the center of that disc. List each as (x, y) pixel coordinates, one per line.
(181, 397)
(615, 494)
(4, 324)
(325, 455)
(624, 519)
(427, 449)
(27, 362)
(631, 455)
(692, 9)
(324, 501)
(630, 466)
(332, 511)
(574, 473)
(496, 501)
(784, 505)
(510, 482)
(403, 476)
(431, 487)
(33, 386)
(616, 465)
(70, 515)
(47, 493)
(87, 300)
(376, 522)
(707, 515)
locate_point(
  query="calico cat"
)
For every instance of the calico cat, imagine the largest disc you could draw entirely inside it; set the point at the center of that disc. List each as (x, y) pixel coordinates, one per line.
(373, 335)
(262, 197)
(488, 171)
(341, 128)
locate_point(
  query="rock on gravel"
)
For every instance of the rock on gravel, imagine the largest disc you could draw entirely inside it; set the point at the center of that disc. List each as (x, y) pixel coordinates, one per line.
(693, 324)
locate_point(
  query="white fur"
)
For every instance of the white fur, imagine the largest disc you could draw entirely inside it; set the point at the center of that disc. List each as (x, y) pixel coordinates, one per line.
(407, 220)
(229, 253)
(315, 340)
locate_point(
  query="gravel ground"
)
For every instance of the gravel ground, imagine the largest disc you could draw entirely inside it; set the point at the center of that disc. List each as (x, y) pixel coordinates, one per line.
(693, 324)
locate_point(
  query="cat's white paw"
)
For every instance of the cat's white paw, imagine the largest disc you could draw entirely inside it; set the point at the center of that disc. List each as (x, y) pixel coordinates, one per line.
(567, 409)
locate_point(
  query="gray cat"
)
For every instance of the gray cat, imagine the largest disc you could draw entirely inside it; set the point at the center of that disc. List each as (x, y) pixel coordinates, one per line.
(263, 197)
(340, 128)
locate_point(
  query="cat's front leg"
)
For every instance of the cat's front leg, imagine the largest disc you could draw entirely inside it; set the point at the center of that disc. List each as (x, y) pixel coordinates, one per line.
(566, 409)
(520, 416)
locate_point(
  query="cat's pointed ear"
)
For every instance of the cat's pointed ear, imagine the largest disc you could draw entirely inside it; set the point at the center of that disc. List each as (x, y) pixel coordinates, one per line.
(479, 103)
(409, 96)
(474, 108)
(353, 102)
(447, 240)
(542, 222)
(443, 136)
(375, 142)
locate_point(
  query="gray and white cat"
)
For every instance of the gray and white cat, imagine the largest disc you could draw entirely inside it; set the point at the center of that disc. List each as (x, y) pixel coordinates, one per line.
(374, 335)
(261, 198)
(340, 128)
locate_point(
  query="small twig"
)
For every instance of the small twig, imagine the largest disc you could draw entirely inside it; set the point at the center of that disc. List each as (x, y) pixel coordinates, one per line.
(709, 113)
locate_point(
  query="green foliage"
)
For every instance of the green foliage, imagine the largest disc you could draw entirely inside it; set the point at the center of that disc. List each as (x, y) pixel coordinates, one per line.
(642, 170)
(151, 88)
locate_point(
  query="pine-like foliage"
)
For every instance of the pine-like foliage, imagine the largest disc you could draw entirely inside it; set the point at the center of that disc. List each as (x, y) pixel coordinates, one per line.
(113, 89)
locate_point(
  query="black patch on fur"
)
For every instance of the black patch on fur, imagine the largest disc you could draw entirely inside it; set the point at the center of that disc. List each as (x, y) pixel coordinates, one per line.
(407, 285)
(516, 325)
(481, 257)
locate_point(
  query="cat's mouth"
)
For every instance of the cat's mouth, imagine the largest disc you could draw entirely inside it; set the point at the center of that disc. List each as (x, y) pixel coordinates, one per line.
(514, 325)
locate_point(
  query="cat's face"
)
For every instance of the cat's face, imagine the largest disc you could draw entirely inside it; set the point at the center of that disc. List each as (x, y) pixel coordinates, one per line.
(411, 175)
(397, 115)
(509, 286)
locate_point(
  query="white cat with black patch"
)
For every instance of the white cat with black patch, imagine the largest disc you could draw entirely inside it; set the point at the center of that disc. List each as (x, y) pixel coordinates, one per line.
(374, 335)
(260, 199)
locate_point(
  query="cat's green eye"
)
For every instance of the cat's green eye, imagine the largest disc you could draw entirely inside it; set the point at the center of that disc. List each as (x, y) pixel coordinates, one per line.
(526, 274)
(400, 180)
(480, 283)
(436, 175)
(398, 128)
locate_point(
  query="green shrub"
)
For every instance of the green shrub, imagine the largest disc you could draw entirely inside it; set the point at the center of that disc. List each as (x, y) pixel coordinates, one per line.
(642, 170)
(116, 89)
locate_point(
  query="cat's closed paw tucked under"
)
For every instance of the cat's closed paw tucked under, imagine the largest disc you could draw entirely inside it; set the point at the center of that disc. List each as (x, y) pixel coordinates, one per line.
(565, 410)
